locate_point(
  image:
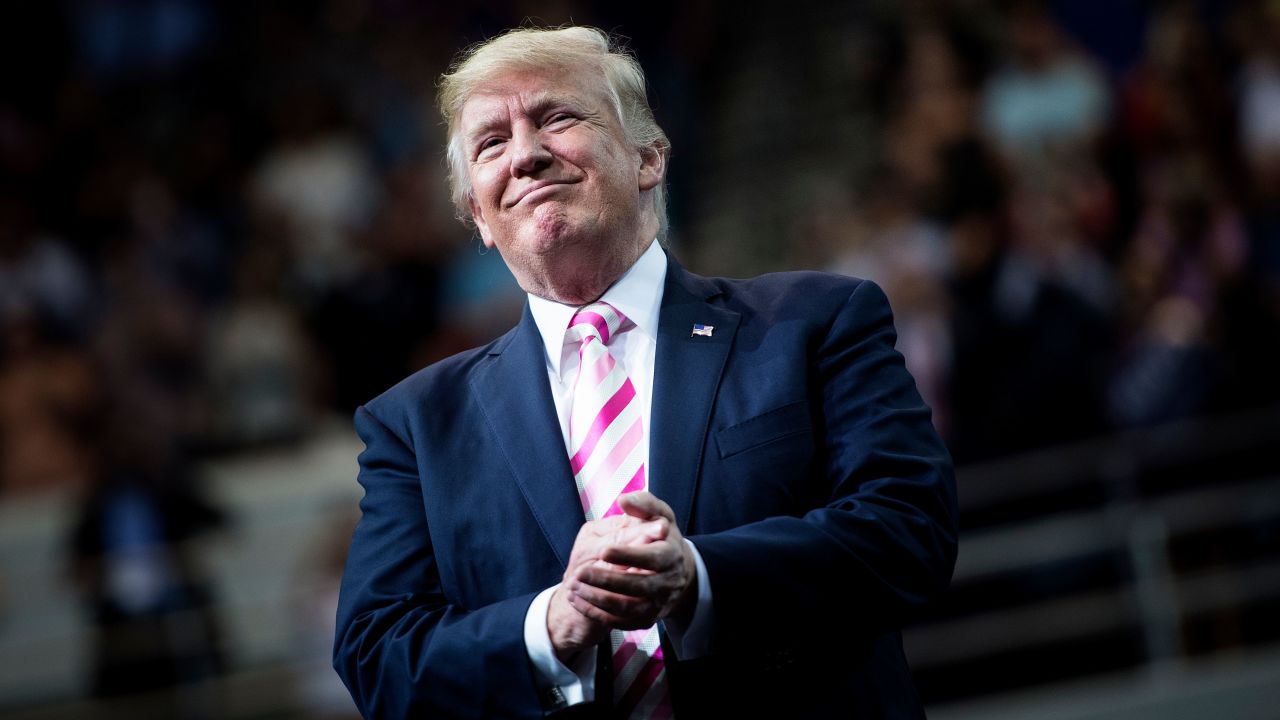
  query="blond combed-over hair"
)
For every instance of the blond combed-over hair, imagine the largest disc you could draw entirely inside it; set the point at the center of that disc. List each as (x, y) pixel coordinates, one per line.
(570, 48)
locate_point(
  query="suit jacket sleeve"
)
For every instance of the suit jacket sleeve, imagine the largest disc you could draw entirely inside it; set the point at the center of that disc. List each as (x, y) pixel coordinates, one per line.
(401, 648)
(881, 537)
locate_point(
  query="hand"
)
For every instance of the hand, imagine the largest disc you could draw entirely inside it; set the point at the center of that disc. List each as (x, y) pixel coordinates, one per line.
(647, 576)
(569, 629)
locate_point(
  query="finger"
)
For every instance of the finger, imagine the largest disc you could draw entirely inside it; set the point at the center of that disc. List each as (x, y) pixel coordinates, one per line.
(642, 533)
(568, 627)
(657, 556)
(644, 504)
(609, 525)
(599, 615)
(596, 535)
(620, 611)
(591, 612)
(623, 581)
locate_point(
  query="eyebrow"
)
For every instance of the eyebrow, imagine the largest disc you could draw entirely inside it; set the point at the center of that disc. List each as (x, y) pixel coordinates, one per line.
(484, 125)
(544, 101)
(537, 105)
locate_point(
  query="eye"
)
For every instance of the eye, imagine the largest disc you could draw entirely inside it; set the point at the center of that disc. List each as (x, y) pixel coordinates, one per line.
(558, 119)
(488, 144)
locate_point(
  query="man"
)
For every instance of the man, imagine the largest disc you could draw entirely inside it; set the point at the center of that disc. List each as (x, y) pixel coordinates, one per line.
(658, 495)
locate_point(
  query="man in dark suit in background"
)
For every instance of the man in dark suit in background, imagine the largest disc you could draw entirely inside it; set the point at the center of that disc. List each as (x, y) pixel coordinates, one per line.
(658, 495)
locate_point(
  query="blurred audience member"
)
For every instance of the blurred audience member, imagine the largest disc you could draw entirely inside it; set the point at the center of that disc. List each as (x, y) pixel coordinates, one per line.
(318, 179)
(47, 392)
(372, 324)
(148, 597)
(1259, 111)
(1189, 247)
(323, 693)
(1049, 100)
(1029, 353)
(46, 387)
(261, 367)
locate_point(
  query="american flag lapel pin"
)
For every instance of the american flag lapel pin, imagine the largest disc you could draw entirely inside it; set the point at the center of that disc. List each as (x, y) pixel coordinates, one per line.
(703, 330)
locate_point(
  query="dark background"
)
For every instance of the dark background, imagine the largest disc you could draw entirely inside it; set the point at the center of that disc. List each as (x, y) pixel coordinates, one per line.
(225, 225)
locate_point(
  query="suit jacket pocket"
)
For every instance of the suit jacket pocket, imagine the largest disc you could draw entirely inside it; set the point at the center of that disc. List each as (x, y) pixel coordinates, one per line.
(782, 422)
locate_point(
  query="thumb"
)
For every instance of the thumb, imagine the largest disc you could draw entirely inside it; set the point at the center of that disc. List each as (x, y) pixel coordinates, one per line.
(645, 505)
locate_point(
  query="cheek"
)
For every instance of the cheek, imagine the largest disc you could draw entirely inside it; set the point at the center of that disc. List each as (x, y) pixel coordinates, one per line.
(616, 163)
(486, 183)
(586, 147)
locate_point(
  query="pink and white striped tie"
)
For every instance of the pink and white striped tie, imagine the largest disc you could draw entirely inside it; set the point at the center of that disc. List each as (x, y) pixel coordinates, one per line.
(605, 430)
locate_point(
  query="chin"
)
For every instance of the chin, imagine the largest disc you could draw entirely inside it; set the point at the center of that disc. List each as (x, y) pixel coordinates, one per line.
(550, 235)
(552, 230)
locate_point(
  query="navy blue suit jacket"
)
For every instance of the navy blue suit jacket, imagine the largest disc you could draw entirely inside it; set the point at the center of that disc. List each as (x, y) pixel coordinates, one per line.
(791, 445)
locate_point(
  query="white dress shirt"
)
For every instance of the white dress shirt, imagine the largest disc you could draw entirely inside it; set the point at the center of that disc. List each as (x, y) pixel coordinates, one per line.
(638, 296)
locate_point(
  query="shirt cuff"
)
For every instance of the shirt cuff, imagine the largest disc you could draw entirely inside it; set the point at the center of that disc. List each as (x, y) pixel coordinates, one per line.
(569, 685)
(694, 639)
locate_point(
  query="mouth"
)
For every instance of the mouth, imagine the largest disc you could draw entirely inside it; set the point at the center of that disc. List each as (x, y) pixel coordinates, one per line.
(538, 190)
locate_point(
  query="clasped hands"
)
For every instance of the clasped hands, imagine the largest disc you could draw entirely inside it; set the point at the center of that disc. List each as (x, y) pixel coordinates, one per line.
(625, 572)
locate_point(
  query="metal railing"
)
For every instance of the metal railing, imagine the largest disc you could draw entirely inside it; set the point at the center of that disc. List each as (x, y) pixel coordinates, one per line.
(1067, 545)
(1150, 553)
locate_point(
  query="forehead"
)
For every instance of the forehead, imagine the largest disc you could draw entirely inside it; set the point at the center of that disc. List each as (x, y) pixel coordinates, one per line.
(528, 90)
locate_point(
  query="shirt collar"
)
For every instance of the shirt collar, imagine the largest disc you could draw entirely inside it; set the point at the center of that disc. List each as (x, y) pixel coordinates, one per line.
(637, 294)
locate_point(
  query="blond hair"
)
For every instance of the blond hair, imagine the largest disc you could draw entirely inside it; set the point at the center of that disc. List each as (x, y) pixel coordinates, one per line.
(571, 48)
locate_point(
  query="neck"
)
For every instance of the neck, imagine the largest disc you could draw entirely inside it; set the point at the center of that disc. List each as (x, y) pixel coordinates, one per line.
(579, 282)
(584, 286)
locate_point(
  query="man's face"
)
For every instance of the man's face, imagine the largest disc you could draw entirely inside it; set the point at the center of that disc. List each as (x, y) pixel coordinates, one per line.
(554, 184)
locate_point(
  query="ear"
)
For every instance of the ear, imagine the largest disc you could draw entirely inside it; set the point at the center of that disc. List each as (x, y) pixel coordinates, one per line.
(477, 216)
(653, 165)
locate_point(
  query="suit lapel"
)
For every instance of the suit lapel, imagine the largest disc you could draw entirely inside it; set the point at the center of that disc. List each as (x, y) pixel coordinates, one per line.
(686, 376)
(516, 400)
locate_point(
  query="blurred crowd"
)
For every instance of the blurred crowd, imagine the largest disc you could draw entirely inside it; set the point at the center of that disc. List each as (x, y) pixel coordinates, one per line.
(221, 223)
(1079, 231)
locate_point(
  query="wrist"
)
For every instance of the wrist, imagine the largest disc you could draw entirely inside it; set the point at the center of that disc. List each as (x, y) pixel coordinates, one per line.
(686, 603)
(566, 628)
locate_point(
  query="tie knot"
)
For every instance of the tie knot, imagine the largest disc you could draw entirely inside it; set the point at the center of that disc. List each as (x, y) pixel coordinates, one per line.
(599, 320)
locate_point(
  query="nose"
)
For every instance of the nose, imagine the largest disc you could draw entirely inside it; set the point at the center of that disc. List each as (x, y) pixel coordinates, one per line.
(529, 155)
